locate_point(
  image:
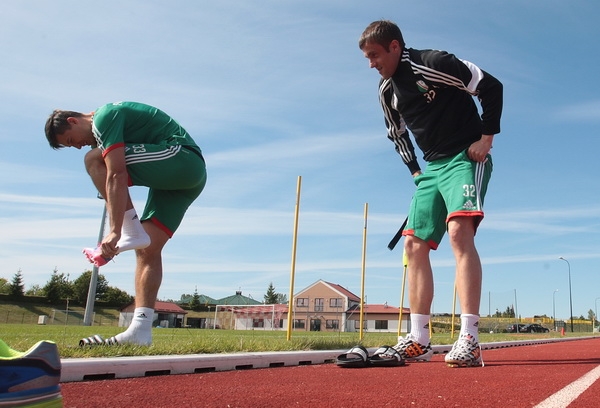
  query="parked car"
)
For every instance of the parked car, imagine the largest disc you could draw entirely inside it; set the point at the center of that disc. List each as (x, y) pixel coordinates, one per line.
(534, 328)
(515, 328)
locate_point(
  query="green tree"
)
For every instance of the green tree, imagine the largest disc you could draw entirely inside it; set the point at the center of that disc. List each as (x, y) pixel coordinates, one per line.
(510, 312)
(17, 288)
(81, 286)
(591, 315)
(58, 287)
(4, 286)
(271, 296)
(281, 298)
(34, 290)
(195, 302)
(116, 296)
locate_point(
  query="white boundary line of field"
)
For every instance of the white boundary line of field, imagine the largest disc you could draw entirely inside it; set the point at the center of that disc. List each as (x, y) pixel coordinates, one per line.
(96, 368)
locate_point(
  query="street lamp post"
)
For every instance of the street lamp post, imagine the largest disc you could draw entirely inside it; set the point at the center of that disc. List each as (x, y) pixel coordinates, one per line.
(570, 292)
(554, 309)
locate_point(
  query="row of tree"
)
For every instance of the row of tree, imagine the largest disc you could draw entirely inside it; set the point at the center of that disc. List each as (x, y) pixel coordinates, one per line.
(60, 287)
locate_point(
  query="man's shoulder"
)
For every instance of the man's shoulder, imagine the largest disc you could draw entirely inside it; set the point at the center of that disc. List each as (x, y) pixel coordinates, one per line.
(427, 56)
(124, 106)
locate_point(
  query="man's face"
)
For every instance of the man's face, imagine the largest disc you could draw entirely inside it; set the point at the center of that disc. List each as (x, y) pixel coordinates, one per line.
(79, 135)
(385, 61)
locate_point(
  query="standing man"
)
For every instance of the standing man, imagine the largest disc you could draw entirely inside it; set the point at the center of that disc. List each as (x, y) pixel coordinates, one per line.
(431, 93)
(134, 144)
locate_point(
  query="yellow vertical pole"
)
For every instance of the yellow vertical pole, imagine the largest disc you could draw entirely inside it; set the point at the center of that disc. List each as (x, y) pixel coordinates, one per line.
(362, 283)
(405, 267)
(453, 311)
(293, 268)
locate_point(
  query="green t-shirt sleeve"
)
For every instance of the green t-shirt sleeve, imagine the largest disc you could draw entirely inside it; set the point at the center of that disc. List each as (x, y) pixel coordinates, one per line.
(107, 126)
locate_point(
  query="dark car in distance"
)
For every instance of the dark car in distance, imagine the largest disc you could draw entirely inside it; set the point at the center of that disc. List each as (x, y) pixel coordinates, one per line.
(534, 328)
(515, 328)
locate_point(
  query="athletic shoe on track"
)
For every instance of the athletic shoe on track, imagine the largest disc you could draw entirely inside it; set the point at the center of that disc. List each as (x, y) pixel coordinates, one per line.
(465, 352)
(30, 379)
(412, 350)
(94, 255)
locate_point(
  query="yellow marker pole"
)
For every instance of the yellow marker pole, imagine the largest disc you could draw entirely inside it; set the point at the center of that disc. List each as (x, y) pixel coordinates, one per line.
(362, 283)
(453, 310)
(293, 268)
(405, 267)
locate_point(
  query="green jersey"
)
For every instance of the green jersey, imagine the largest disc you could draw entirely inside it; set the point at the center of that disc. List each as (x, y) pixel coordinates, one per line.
(123, 123)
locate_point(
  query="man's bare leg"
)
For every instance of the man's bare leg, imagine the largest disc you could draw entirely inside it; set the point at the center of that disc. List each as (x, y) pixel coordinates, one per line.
(148, 278)
(133, 235)
(461, 232)
(466, 350)
(416, 346)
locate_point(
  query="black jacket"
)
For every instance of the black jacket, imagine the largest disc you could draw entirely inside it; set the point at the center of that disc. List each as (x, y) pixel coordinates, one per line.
(431, 94)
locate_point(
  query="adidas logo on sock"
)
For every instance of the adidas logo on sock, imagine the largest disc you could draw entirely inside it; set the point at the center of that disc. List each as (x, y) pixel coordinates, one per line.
(142, 316)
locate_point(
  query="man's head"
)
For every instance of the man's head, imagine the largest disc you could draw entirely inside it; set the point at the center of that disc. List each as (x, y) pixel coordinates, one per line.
(69, 129)
(382, 44)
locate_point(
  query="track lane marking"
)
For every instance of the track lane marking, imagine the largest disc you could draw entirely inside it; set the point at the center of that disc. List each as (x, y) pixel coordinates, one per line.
(571, 392)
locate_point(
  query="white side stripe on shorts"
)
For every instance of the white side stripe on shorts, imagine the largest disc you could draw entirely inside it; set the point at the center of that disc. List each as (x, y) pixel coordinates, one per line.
(479, 173)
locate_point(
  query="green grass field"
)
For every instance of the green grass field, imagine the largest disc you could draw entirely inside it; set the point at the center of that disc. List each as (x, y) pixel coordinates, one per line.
(19, 329)
(191, 341)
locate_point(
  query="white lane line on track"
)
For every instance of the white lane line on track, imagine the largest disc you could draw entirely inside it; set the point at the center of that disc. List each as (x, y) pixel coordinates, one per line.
(571, 392)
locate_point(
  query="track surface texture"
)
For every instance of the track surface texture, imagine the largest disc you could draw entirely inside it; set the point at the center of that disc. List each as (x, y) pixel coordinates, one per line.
(542, 375)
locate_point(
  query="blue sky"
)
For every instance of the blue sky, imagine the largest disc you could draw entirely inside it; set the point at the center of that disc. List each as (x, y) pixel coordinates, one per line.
(279, 91)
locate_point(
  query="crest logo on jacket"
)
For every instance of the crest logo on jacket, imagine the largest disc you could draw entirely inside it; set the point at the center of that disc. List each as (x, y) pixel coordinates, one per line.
(422, 86)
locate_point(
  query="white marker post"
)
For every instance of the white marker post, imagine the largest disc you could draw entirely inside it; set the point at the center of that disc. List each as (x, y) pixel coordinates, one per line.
(91, 298)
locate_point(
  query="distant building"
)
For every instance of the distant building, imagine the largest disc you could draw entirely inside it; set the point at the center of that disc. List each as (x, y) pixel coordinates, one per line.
(238, 299)
(166, 314)
(322, 306)
(325, 306)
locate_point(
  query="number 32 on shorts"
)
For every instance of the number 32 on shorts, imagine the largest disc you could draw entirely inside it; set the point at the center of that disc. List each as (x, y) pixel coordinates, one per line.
(469, 190)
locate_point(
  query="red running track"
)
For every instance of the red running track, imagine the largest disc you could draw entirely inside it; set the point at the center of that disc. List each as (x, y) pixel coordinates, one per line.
(512, 377)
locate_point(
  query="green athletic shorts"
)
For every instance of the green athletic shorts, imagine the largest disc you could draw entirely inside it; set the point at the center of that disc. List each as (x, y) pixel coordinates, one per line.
(449, 187)
(175, 176)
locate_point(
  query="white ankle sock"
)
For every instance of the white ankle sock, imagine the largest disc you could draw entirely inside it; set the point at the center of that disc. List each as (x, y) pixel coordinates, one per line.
(419, 328)
(133, 235)
(469, 324)
(140, 330)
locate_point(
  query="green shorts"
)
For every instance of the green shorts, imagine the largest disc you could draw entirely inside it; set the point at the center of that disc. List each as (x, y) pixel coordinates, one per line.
(175, 176)
(449, 187)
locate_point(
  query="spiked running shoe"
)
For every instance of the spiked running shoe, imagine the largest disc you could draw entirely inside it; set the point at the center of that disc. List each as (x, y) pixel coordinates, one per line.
(30, 379)
(465, 352)
(411, 350)
(94, 255)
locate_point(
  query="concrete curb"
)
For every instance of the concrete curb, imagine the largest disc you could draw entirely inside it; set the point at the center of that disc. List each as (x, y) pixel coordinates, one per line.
(98, 368)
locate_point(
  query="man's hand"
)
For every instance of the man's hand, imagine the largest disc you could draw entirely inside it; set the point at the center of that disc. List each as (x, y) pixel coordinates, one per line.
(109, 245)
(480, 149)
(117, 197)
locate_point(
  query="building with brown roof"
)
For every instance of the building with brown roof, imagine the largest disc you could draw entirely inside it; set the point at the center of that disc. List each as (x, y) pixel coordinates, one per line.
(325, 306)
(166, 314)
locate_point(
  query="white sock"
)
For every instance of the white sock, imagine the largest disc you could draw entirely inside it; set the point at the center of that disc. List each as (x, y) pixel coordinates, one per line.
(469, 324)
(140, 330)
(419, 328)
(133, 235)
